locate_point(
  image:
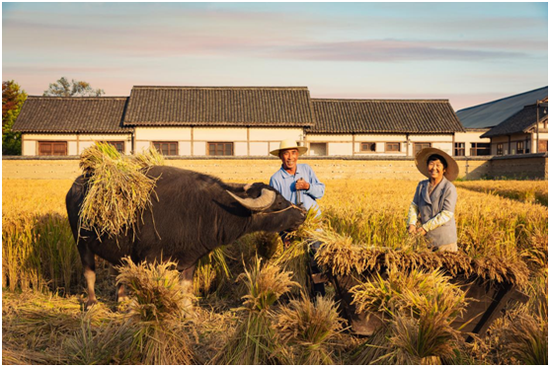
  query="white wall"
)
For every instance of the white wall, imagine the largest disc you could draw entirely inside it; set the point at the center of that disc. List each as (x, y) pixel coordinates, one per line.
(76, 143)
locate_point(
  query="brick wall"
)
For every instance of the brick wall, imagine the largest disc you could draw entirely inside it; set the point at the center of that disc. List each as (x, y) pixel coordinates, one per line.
(247, 170)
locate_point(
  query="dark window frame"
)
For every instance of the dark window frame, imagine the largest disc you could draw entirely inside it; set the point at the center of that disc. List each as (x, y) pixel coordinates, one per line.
(500, 148)
(220, 148)
(371, 147)
(475, 149)
(419, 145)
(392, 143)
(460, 149)
(522, 149)
(52, 149)
(173, 147)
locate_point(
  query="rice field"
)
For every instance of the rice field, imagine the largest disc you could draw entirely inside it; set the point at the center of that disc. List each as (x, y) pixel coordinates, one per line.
(251, 301)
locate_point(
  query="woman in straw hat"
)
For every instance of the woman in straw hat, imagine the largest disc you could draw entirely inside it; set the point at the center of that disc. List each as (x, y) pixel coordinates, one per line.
(435, 200)
(299, 185)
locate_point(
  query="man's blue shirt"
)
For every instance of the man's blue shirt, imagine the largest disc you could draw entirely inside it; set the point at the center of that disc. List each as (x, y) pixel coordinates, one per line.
(285, 183)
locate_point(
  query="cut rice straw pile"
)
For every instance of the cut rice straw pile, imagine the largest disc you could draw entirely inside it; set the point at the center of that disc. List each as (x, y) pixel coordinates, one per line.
(119, 189)
(342, 257)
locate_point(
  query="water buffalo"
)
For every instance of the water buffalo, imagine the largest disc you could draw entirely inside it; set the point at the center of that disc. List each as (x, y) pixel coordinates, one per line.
(192, 214)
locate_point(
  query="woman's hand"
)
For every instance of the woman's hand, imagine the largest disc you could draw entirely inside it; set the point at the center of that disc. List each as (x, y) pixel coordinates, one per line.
(421, 231)
(412, 229)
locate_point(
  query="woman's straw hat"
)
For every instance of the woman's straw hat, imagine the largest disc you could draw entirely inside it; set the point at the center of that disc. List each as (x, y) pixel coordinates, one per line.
(288, 144)
(421, 161)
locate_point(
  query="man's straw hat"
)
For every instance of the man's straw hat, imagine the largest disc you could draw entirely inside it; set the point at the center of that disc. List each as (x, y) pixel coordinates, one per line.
(288, 144)
(421, 161)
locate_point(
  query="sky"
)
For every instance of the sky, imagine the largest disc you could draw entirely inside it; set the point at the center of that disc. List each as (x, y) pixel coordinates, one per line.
(468, 53)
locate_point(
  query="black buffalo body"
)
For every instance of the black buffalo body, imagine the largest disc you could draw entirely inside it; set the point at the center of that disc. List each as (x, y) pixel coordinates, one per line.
(191, 215)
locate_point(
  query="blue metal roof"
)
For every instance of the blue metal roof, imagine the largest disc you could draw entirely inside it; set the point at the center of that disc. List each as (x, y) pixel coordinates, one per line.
(492, 113)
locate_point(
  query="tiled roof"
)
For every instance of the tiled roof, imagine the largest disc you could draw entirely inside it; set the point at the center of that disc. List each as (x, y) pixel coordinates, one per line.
(384, 116)
(72, 115)
(517, 123)
(219, 106)
(492, 113)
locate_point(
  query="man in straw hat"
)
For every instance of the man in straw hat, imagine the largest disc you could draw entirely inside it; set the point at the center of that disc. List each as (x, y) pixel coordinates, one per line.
(435, 200)
(299, 185)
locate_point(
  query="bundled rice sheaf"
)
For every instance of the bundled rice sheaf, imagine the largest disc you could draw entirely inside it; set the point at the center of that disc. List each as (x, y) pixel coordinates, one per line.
(119, 189)
(159, 312)
(420, 307)
(254, 340)
(308, 329)
(343, 257)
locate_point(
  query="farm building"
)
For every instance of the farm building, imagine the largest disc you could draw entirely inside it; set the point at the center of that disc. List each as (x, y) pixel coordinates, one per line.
(524, 132)
(478, 120)
(235, 121)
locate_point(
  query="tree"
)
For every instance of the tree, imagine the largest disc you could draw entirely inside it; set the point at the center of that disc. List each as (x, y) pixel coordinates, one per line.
(64, 88)
(13, 98)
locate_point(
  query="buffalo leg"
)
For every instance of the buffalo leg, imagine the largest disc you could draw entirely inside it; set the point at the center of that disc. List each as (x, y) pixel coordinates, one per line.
(88, 263)
(186, 281)
(121, 288)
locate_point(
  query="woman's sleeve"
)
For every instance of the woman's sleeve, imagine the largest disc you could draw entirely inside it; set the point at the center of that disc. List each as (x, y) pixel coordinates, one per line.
(446, 213)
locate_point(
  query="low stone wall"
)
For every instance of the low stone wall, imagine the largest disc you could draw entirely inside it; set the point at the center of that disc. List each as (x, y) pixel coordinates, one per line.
(260, 169)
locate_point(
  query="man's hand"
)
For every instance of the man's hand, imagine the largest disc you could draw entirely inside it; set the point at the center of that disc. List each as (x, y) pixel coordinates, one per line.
(301, 184)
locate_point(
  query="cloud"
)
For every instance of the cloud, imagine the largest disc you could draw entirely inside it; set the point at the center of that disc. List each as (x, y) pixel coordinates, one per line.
(389, 50)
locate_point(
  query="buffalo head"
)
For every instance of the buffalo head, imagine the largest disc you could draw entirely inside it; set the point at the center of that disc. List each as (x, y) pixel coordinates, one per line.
(267, 203)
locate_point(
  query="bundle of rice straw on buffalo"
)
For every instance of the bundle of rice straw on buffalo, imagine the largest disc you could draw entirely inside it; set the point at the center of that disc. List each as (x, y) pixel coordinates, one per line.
(485, 279)
(132, 206)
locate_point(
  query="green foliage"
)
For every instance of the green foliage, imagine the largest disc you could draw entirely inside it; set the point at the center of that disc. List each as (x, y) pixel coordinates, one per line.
(13, 98)
(75, 88)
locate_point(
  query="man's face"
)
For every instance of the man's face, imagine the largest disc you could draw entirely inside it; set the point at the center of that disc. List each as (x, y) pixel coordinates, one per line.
(289, 158)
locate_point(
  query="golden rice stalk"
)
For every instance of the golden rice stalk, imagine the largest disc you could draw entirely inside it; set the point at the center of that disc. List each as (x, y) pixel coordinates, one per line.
(309, 329)
(343, 257)
(425, 340)
(265, 285)
(411, 292)
(155, 290)
(148, 158)
(254, 340)
(118, 191)
(158, 312)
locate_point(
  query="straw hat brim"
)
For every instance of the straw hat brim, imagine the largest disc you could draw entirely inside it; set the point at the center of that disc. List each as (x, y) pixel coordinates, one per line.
(421, 161)
(301, 150)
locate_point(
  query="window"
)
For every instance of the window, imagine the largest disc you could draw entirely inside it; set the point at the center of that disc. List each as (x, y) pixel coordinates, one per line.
(460, 149)
(220, 148)
(393, 147)
(520, 147)
(119, 145)
(52, 148)
(480, 149)
(317, 148)
(368, 147)
(419, 146)
(166, 147)
(500, 149)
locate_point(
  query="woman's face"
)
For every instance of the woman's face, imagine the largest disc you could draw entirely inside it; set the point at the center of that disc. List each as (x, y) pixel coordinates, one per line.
(436, 169)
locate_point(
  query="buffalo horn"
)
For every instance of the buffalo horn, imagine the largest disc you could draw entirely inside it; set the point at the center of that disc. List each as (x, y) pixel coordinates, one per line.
(264, 201)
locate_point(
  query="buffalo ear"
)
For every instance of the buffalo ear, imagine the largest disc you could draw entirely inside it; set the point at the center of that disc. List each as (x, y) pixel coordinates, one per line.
(247, 186)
